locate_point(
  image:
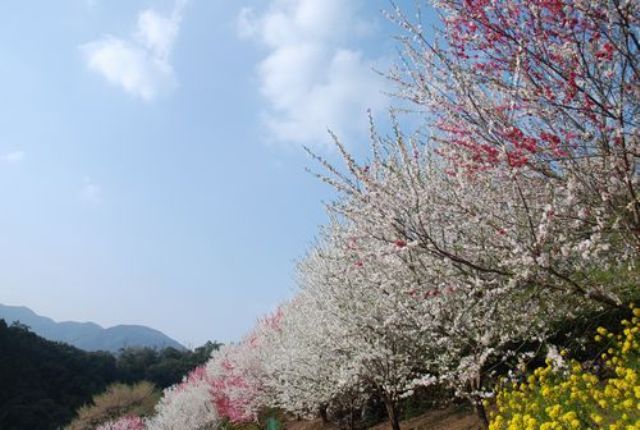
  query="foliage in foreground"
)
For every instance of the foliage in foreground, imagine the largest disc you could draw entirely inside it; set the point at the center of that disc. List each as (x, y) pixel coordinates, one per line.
(571, 395)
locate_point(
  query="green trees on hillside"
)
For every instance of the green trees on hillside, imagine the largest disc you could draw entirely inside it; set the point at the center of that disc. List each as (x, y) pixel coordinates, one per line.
(164, 367)
(43, 383)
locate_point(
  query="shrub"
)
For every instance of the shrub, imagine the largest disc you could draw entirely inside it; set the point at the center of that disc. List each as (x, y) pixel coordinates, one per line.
(604, 393)
(117, 401)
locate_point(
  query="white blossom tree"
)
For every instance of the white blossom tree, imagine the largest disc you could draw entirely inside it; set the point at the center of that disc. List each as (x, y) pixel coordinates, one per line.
(187, 405)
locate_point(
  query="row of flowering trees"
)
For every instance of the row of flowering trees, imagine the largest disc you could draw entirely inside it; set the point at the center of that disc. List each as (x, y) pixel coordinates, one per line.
(447, 249)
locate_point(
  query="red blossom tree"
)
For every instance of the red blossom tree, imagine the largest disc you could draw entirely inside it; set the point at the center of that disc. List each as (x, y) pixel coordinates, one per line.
(541, 97)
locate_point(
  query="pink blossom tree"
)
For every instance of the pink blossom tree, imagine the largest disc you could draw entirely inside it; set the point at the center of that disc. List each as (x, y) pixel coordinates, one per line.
(540, 97)
(238, 375)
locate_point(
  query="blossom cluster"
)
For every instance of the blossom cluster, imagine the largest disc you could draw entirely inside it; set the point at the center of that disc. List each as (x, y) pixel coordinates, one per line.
(124, 423)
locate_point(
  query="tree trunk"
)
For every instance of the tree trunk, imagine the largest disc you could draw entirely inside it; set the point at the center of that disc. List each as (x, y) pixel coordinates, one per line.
(352, 420)
(481, 412)
(323, 414)
(392, 412)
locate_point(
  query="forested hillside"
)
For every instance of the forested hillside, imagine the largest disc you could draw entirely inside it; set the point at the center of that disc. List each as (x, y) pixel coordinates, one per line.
(43, 383)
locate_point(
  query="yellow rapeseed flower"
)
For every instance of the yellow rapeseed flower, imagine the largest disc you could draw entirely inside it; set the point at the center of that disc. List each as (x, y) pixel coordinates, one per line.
(575, 397)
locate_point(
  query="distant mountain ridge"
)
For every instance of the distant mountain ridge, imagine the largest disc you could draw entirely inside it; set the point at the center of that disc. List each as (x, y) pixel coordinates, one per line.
(87, 335)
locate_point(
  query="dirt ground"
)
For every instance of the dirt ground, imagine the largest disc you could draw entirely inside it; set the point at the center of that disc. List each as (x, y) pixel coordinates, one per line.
(445, 419)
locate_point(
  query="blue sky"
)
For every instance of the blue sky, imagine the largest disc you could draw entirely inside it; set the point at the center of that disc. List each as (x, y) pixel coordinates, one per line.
(151, 163)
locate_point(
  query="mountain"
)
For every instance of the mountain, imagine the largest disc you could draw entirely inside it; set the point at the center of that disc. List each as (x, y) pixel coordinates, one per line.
(87, 335)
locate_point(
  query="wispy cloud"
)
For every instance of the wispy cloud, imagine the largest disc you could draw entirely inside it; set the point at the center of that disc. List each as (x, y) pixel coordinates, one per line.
(91, 192)
(13, 157)
(141, 63)
(312, 78)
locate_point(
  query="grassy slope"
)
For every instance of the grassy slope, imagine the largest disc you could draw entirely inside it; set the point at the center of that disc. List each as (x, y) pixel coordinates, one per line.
(444, 419)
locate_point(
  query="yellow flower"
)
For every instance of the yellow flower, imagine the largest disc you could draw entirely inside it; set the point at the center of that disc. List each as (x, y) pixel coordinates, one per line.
(627, 404)
(551, 399)
(553, 411)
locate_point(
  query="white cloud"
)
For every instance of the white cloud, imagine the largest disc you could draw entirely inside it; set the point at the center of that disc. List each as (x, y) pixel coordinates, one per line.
(91, 192)
(13, 157)
(141, 64)
(311, 77)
